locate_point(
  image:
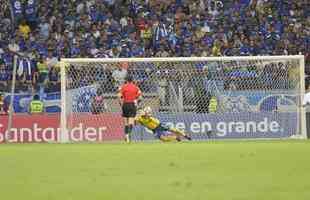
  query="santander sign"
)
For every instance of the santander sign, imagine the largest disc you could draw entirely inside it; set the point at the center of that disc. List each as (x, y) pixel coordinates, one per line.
(45, 128)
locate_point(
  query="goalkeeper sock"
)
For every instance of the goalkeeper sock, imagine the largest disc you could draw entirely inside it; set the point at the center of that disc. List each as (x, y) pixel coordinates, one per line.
(169, 138)
(177, 131)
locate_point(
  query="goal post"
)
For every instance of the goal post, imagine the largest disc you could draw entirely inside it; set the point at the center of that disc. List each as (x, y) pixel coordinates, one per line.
(208, 97)
(11, 111)
(63, 135)
(302, 113)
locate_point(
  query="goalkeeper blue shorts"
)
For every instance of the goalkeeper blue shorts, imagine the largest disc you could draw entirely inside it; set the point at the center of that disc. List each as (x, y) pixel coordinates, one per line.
(161, 130)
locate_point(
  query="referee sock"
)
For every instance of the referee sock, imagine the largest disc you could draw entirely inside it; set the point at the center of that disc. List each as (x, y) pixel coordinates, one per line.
(127, 136)
(130, 127)
(126, 129)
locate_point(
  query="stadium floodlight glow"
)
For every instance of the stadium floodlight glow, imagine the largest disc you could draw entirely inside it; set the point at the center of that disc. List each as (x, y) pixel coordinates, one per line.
(249, 97)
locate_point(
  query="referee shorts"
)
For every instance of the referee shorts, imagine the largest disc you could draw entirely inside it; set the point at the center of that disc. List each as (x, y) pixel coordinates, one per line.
(129, 110)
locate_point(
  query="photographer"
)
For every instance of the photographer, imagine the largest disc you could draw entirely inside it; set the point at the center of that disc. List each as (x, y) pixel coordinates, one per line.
(306, 103)
(3, 106)
(36, 105)
(98, 104)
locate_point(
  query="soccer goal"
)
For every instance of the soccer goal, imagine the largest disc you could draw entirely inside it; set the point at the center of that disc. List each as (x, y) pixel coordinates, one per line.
(208, 97)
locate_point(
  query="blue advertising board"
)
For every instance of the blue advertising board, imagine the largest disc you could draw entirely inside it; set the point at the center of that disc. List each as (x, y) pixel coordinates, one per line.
(228, 125)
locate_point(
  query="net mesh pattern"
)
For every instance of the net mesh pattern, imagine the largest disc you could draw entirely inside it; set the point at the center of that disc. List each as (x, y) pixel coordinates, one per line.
(182, 91)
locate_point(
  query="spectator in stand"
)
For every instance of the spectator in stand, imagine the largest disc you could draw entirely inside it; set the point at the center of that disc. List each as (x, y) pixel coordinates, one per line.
(162, 52)
(216, 49)
(13, 46)
(24, 29)
(51, 60)
(98, 104)
(4, 76)
(25, 74)
(42, 72)
(119, 74)
(44, 28)
(53, 80)
(306, 100)
(3, 105)
(157, 28)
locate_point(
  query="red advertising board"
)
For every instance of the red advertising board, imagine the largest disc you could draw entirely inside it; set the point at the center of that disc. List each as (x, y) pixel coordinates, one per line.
(46, 128)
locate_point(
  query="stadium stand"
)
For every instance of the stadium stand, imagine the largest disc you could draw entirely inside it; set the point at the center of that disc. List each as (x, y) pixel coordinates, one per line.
(44, 31)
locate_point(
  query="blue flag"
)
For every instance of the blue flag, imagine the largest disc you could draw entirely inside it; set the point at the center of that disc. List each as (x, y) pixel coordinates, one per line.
(31, 10)
(17, 9)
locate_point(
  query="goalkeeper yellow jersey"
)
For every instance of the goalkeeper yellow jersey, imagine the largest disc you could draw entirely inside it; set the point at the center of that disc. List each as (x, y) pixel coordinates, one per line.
(149, 122)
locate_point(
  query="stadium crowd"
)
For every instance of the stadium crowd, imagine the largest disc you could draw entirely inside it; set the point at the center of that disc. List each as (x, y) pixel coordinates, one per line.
(49, 30)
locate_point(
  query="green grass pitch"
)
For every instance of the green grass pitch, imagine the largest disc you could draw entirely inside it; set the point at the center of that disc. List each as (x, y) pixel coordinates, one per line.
(238, 170)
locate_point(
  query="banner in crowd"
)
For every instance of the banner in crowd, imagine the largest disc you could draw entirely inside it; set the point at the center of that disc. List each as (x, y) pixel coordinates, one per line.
(24, 9)
(31, 10)
(17, 9)
(22, 101)
(237, 101)
(258, 101)
(105, 127)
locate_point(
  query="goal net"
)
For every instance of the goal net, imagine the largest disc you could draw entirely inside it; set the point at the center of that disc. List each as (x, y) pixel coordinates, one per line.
(209, 97)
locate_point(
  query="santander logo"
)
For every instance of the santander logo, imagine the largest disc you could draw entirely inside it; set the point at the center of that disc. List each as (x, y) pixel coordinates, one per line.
(35, 133)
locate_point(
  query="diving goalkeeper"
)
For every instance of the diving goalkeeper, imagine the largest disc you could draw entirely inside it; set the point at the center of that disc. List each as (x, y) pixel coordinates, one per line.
(160, 131)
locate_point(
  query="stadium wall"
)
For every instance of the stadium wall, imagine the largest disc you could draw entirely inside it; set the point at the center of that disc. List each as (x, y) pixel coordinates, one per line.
(45, 128)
